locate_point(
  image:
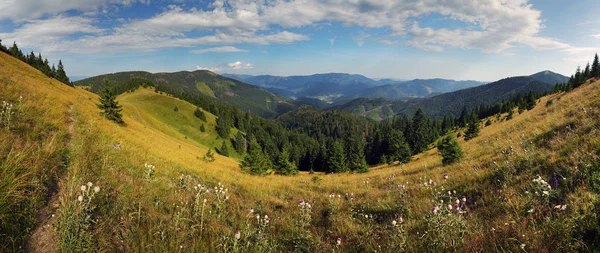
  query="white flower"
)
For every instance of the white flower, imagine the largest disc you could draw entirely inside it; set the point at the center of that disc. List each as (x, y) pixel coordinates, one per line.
(237, 235)
(204, 200)
(394, 223)
(545, 192)
(530, 210)
(89, 184)
(563, 207)
(457, 201)
(80, 198)
(83, 187)
(449, 207)
(464, 199)
(523, 246)
(96, 189)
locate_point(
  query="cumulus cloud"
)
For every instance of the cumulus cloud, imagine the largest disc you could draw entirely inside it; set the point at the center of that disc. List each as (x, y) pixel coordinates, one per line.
(211, 69)
(20, 10)
(491, 26)
(239, 65)
(225, 49)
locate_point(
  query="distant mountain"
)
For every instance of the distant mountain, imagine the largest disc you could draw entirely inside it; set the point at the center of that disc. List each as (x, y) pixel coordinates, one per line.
(448, 103)
(205, 83)
(326, 87)
(550, 77)
(415, 88)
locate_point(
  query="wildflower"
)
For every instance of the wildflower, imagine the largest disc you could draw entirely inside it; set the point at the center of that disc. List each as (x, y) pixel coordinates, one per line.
(204, 200)
(80, 198)
(449, 207)
(445, 175)
(425, 184)
(545, 192)
(457, 201)
(89, 184)
(96, 189)
(400, 218)
(434, 209)
(464, 199)
(83, 188)
(523, 246)
(251, 210)
(563, 207)
(267, 219)
(394, 223)
(237, 235)
(339, 241)
(530, 210)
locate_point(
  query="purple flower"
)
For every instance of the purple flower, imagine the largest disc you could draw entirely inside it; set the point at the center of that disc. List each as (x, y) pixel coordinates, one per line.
(301, 201)
(374, 216)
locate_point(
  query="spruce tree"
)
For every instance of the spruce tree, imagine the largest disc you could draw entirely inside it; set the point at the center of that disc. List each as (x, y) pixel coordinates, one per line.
(255, 162)
(223, 126)
(284, 165)
(110, 108)
(336, 160)
(60, 73)
(224, 150)
(240, 143)
(419, 135)
(449, 149)
(200, 114)
(356, 156)
(472, 128)
(587, 71)
(595, 70)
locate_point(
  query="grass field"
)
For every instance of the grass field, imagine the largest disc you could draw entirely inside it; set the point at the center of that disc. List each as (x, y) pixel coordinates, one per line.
(505, 207)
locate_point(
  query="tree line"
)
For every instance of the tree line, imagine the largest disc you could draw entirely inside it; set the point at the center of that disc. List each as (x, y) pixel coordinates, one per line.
(38, 62)
(580, 76)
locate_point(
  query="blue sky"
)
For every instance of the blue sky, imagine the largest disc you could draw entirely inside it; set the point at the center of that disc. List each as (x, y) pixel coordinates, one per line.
(456, 39)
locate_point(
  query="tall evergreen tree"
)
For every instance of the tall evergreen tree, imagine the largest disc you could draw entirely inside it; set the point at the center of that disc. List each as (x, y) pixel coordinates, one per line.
(336, 160)
(284, 165)
(200, 114)
(356, 156)
(587, 71)
(256, 161)
(240, 143)
(223, 126)
(224, 150)
(419, 134)
(61, 75)
(472, 128)
(110, 108)
(595, 70)
(397, 149)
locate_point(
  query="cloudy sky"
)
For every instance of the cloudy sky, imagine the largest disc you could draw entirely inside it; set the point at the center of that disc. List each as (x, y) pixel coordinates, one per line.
(459, 39)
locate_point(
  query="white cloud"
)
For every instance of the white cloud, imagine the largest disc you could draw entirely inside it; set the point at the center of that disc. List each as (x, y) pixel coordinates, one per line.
(597, 36)
(212, 69)
(225, 49)
(331, 41)
(491, 26)
(20, 10)
(239, 65)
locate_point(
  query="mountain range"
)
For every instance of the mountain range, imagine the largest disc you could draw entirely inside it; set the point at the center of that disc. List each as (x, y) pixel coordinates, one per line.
(203, 83)
(451, 103)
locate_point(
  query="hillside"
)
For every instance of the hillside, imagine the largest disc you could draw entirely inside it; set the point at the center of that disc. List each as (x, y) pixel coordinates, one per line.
(326, 87)
(414, 88)
(203, 83)
(531, 183)
(450, 103)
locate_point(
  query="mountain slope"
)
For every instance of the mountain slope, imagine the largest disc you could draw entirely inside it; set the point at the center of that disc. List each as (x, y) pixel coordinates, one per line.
(550, 77)
(414, 88)
(501, 184)
(206, 83)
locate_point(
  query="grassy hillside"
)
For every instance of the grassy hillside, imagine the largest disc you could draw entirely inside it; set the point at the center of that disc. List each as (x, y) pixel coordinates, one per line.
(202, 83)
(503, 206)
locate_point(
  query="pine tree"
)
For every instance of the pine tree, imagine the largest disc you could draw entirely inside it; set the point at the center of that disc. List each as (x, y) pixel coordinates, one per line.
(255, 162)
(111, 108)
(284, 165)
(472, 128)
(224, 150)
(53, 71)
(595, 70)
(587, 71)
(336, 161)
(200, 114)
(396, 147)
(449, 149)
(240, 143)
(60, 73)
(223, 126)
(356, 156)
(419, 135)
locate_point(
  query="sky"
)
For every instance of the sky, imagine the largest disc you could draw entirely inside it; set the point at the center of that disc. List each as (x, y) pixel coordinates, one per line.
(482, 40)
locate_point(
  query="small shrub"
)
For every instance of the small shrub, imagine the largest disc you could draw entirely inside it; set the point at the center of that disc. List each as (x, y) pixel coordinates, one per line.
(450, 150)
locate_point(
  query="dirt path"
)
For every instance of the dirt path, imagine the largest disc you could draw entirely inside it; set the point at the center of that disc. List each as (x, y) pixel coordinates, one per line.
(42, 239)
